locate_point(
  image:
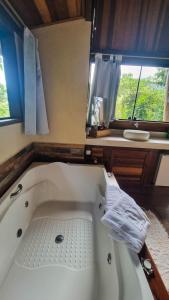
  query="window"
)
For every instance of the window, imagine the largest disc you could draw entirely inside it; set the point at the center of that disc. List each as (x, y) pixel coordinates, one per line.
(11, 69)
(141, 94)
(4, 105)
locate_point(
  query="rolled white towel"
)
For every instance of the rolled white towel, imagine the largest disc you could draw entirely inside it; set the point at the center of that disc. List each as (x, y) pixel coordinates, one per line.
(125, 218)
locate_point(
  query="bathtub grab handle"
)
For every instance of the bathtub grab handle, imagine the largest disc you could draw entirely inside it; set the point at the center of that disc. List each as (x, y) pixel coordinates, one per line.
(19, 189)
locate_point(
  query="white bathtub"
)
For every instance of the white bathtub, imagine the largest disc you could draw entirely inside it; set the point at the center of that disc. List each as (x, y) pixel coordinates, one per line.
(84, 263)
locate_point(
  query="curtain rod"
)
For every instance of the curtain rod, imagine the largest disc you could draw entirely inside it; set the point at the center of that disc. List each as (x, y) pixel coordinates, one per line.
(12, 12)
(128, 56)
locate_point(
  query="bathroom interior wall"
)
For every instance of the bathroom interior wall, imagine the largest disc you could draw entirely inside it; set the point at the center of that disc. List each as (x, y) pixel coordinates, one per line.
(12, 140)
(64, 55)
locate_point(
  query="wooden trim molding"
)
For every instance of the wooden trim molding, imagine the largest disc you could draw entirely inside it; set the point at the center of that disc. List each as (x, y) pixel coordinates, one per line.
(42, 7)
(156, 283)
(50, 152)
(14, 167)
(142, 125)
(56, 22)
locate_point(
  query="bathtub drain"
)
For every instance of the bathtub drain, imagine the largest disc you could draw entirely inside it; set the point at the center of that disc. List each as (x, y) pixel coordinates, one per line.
(59, 239)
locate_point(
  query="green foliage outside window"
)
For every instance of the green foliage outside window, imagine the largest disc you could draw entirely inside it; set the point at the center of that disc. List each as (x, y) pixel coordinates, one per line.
(150, 100)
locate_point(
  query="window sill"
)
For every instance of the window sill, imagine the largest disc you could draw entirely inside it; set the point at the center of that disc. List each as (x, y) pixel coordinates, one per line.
(141, 125)
(121, 142)
(5, 122)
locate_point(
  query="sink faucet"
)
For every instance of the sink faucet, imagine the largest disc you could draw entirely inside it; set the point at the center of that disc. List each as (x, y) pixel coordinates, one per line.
(136, 124)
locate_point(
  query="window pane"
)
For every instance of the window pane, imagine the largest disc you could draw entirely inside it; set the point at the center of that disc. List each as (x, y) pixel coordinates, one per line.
(150, 102)
(127, 91)
(4, 105)
(151, 94)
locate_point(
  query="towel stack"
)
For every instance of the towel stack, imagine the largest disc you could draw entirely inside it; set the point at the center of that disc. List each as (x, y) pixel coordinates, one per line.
(125, 218)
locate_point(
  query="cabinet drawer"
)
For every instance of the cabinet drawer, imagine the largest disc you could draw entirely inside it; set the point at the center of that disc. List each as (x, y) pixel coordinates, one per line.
(125, 171)
(128, 164)
(129, 153)
(97, 152)
(126, 161)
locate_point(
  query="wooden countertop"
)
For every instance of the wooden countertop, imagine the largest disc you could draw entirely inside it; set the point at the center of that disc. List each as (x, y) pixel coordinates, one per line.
(119, 141)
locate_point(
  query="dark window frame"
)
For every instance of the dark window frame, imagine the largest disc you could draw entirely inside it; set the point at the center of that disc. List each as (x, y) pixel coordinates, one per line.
(142, 124)
(132, 117)
(7, 29)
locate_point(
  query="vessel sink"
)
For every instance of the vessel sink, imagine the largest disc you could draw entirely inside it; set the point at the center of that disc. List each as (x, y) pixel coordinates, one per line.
(136, 135)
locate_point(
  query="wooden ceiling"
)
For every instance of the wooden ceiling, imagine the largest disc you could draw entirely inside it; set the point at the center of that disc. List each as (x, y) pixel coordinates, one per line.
(40, 12)
(135, 27)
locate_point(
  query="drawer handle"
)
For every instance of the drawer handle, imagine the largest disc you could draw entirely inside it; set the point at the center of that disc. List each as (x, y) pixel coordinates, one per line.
(19, 189)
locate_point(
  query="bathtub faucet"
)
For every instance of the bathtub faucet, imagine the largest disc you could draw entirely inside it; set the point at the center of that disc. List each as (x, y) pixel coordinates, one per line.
(19, 189)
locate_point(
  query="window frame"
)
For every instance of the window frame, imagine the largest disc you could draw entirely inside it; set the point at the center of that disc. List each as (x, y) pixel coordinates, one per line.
(8, 121)
(8, 28)
(141, 124)
(133, 118)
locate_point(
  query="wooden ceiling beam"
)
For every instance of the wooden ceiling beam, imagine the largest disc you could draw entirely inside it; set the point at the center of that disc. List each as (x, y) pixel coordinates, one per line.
(42, 7)
(72, 8)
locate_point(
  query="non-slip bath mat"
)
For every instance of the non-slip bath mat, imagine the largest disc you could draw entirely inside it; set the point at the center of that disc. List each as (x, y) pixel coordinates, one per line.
(54, 242)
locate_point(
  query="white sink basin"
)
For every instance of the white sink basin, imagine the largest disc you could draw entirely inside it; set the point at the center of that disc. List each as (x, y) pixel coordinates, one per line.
(136, 135)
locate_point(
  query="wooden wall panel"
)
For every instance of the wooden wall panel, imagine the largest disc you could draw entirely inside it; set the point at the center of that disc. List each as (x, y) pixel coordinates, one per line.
(137, 166)
(58, 9)
(14, 167)
(50, 152)
(126, 18)
(131, 27)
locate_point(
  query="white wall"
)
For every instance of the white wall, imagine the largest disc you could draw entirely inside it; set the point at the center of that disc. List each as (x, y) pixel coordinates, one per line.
(12, 140)
(64, 54)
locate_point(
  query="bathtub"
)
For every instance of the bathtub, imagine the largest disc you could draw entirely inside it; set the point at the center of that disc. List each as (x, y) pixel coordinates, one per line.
(53, 245)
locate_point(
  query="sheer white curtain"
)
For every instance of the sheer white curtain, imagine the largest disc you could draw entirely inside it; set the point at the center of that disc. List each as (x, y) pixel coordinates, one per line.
(104, 85)
(34, 101)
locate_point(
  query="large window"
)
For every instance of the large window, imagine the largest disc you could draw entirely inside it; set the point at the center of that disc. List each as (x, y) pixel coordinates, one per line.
(4, 104)
(141, 93)
(11, 69)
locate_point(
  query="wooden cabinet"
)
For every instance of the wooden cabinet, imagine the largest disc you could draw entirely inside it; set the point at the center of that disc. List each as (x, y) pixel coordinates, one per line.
(128, 165)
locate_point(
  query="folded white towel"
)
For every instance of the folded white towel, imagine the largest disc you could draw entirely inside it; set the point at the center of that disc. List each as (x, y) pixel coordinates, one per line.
(125, 218)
